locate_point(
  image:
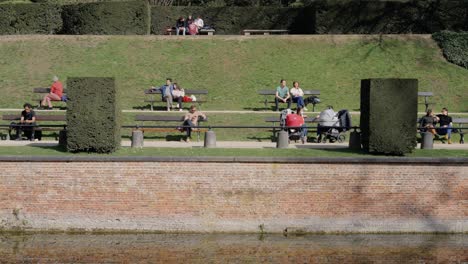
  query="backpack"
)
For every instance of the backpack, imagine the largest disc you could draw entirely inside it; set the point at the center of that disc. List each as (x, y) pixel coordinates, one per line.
(283, 116)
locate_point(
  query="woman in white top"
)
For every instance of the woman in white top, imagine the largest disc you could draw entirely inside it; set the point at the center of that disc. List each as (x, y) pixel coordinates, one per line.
(178, 94)
(298, 96)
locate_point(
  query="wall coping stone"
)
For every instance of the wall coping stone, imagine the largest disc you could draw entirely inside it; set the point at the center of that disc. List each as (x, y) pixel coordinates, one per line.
(218, 159)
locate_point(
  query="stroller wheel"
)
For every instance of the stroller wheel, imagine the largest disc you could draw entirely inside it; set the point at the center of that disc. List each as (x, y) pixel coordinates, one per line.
(341, 138)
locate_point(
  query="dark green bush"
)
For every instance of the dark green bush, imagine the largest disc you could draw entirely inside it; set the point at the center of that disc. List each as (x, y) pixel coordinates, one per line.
(107, 18)
(388, 115)
(30, 19)
(454, 46)
(232, 20)
(390, 17)
(93, 115)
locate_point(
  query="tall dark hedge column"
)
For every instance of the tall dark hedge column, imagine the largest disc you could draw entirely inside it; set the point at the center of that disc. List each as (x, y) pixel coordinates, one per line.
(93, 116)
(389, 109)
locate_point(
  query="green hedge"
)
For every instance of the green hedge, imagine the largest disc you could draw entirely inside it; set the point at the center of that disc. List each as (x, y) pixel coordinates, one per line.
(388, 115)
(454, 46)
(107, 18)
(374, 17)
(93, 115)
(232, 20)
(30, 19)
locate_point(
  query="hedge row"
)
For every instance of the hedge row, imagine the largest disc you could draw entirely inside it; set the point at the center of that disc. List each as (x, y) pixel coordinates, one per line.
(390, 17)
(108, 18)
(454, 46)
(30, 19)
(232, 20)
(323, 17)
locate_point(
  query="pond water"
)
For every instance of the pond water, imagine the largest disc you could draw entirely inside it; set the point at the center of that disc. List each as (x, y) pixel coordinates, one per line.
(224, 248)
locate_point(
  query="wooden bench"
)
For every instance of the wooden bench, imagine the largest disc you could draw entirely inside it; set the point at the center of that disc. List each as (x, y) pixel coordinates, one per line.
(461, 122)
(165, 119)
(276, 119)
(197, 93)
(39, 118)
(42, 91)
(426, 96)
(268, 93)
(248, 32)
(207, 31)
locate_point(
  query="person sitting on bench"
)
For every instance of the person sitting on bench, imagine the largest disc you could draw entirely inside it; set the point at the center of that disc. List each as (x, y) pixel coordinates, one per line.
(282, 95)
(427, 122)
(27, 122)
(166, 93)
(445, 122)
(191, 120)
(56, 92)
(177, 95)
(181, 25)
(298, 96)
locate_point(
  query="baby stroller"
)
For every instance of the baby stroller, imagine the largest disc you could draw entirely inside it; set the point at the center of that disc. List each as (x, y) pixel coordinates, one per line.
(332, 126)
(293, 133)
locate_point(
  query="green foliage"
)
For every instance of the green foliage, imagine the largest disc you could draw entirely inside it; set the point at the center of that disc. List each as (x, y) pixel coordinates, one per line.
(93, 115)
(30, 19)
(390, 17)
(454, 46)
(232, 20)
(107, 18)
(388, 115)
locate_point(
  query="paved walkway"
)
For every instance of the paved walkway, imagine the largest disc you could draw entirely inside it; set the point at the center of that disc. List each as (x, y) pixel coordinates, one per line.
(223, 144)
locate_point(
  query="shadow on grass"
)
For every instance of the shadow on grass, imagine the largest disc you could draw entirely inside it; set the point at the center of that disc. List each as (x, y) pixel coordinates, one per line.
(262, 139)
(57, 148)
(260, 109)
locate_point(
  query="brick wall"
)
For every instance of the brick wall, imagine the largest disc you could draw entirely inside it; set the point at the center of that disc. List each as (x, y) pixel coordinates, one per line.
(234, 196)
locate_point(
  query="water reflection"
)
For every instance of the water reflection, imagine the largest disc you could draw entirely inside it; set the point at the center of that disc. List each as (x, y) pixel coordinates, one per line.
(221, 248)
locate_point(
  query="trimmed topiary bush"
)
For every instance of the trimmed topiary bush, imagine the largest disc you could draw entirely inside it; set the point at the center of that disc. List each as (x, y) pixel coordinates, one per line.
(454, 46)
(388, 115)
(30, 19)
(93, 116)
(107, 18)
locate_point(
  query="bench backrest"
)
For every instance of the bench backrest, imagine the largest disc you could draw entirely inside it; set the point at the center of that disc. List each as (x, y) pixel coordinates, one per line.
(273, 92)
(277, 119)
(459, 120)
(425, 94)
(38, 117)
(162, 118)
(187, 91)
(44, 90)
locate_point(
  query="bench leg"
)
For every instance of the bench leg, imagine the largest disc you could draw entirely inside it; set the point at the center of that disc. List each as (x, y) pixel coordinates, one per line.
(462, 138)
(266, 104)
(198, 136)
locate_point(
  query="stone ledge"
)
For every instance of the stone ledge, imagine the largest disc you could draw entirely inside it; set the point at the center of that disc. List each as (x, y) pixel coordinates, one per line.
(207, 159)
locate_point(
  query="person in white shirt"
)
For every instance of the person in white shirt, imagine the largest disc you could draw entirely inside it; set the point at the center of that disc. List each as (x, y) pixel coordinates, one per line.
(178, 94)
(199, 22)
(298, 96)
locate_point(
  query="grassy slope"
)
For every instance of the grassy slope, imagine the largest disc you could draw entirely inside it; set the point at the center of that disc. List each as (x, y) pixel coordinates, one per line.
(231, 68)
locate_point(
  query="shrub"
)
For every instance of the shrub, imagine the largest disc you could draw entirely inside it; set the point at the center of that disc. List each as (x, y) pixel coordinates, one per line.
(454, 46)
(93, 116)
(389, 115)
(232, 20)
(107, 18)
(30, 19)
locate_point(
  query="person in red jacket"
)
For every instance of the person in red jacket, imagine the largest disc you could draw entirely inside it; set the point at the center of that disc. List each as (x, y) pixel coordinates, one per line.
(297, 120)
(56, 92)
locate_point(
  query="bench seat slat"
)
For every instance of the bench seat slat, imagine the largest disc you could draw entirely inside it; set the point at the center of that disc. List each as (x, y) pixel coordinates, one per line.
(44, 90)
(38, 117)
(273, 92)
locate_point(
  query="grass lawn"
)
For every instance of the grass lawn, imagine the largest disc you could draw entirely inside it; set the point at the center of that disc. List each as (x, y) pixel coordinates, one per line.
(231, 68)
(267, 152)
